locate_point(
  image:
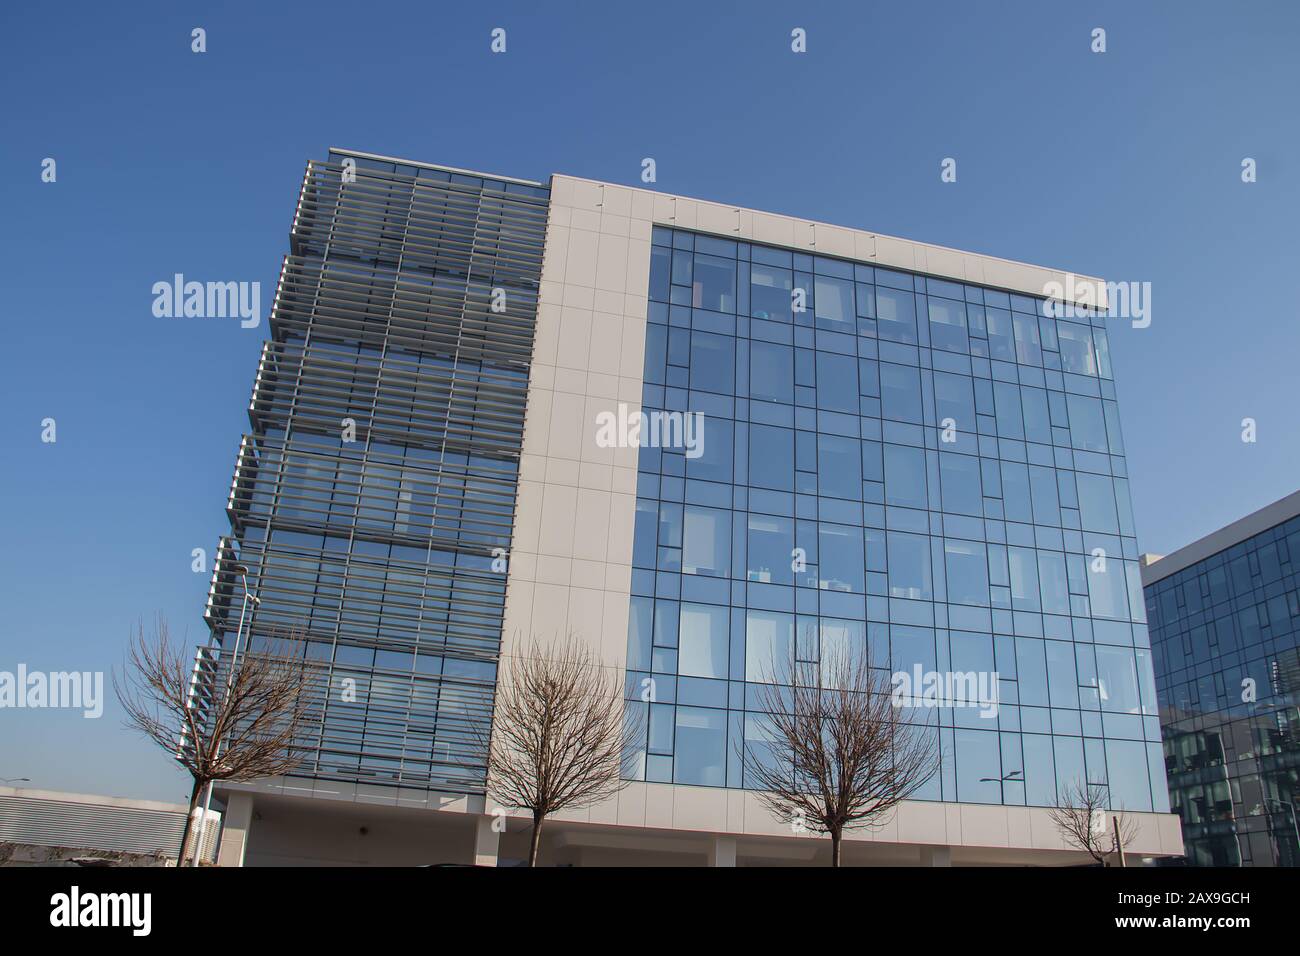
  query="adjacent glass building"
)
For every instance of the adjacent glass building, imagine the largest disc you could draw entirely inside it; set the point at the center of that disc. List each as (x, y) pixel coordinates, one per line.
(379, 471)
(945, 462)
(1225, 635)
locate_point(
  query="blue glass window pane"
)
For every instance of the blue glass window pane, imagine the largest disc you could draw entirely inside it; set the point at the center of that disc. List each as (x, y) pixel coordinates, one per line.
(1087, 423)
(1042, 485)
(1070, 772)
(1117, 679)
(1015, 492)
(833, 299)
(967, 566)
(701, 747)
(839, 467)
(959, 477)
(714, 285)
(1024, 579)
(837, 383)
(682, 265)
(1062, 682)
(1028, 350)
(1010, 419)
(972, 652)
(1031, 671)
(715, 452)
(771, 543)
(1097, 503)
(666, 619)
(948, 325)
(1108, 588)
(1102, 344)
(1076, 348)
(702, 641)
(911, 647)
(900, 392)
(660, 267)
(954, 399)
(909, 566)
(640, 634)
(839, 551)
(643, 541)
(771, 372)
(876, 550)
(661, 729)
(1040, 773)
(771, 457)
(905, 476)
(843, 646)
(1002, 345)
(706, 542)
(1129, 780)
(1038, 425)
(896, 315)
(979, 767)
(866, 300)
(1053, 582)
(769, 646)
(769, 292)
(713, 362)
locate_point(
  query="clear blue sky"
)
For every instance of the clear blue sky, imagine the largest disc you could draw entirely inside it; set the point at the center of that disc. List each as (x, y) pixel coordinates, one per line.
(1124, 165)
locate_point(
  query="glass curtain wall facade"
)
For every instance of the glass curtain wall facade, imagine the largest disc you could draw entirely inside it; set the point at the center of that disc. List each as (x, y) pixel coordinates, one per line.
(1225, 635)
(380, 469)
(948, 459)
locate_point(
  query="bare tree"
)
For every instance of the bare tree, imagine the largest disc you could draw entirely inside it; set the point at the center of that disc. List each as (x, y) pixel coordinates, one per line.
(237, 721)
(840, 754)
(560, 737)
(1081, 818)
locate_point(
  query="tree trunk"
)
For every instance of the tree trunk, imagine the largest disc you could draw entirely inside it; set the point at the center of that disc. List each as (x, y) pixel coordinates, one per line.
(535, 841)
(835, 848)
(189, 820)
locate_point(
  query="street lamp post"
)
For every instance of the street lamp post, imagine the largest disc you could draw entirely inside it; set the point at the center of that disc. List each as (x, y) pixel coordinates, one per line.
(230, 675)
(15, 780)
(1013, 777)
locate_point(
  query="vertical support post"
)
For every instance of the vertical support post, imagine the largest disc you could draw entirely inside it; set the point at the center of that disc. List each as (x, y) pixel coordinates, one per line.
(722, 851)
(936, 856)
(235, 824)
(486, 842)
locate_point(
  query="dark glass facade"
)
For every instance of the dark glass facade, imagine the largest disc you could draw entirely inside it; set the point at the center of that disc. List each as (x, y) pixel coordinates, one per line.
(1225, 636)
(380, 468)
(946, 459)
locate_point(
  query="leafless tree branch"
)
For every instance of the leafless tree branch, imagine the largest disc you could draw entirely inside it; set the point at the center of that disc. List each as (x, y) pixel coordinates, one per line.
(560, 737)
(238, 721)
(840, 754)
(1081, 818)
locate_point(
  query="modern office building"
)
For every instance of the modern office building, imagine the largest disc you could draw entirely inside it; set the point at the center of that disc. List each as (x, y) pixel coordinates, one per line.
(881, 444)
(1224, 615)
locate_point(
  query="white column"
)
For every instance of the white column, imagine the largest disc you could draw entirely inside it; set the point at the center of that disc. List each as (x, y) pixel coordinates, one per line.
(486, 841)
(236, 822)
(936, 856)
(722, 851)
